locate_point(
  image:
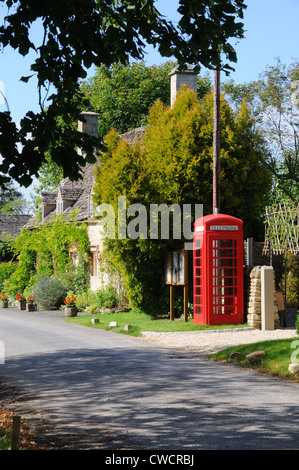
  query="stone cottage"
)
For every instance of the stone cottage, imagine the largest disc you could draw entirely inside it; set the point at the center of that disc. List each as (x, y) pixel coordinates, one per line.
(77, 195)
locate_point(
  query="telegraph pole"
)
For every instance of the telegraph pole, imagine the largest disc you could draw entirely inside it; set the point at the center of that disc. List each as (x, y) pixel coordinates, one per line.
(216, 143)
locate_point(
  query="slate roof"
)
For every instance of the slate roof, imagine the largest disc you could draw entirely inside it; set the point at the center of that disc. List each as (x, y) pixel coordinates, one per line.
(11, 224)
(48, 198)
(79, 191)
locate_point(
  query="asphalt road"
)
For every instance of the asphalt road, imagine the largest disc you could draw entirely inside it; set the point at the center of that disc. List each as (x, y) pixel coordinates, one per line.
(100, 390)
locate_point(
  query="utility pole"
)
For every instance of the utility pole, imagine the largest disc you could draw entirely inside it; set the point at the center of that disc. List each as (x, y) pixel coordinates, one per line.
(216, 143)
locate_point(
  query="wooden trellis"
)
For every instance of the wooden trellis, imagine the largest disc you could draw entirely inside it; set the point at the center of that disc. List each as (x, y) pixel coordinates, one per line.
(282, 228)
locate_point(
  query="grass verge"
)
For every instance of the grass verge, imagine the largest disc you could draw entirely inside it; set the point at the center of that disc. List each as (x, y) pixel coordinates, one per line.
(142, 322)
(275, 362)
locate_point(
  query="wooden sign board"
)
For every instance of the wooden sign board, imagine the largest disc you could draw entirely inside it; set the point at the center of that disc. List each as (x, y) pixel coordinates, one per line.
(176, 268)
(176, 274)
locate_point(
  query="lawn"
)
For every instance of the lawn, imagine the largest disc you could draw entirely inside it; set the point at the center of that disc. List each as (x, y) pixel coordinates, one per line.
(142, 322)
(275, 362)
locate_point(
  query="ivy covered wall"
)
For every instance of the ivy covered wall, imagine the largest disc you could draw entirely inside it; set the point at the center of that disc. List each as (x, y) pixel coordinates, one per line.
(59, 249)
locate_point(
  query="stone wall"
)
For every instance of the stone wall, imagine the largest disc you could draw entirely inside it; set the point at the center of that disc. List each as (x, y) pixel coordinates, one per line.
(254, 300)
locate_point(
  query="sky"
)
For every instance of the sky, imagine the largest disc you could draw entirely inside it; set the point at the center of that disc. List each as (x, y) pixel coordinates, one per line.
(271, 31)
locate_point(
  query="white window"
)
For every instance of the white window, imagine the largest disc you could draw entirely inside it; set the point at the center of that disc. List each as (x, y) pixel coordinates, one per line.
(59, 207)
(94, 263)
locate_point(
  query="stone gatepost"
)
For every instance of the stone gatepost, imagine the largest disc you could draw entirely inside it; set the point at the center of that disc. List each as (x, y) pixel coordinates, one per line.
(254, 311)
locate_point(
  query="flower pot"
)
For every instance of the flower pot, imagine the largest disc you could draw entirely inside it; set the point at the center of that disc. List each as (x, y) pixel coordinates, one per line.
(71, 311)
(30, 307)
(4, 304)
(22, 306)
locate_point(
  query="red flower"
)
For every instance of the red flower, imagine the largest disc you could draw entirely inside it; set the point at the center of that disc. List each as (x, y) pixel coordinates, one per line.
(70, 300)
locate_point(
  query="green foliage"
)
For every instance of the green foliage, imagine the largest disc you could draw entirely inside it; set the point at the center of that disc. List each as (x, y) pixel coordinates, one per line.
(273, 100)
(174, 166)
(106, 297)
(291, 280)
(275, 362)
(49, 292)
(49, 176)
(99, 32)
(122, 94)
(45, 251)
(11, 200)
(5, 440)
(6, 253)
(6, 270)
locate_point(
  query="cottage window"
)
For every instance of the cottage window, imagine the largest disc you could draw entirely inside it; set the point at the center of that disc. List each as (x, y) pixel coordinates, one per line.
(94, 263)
(59, 207)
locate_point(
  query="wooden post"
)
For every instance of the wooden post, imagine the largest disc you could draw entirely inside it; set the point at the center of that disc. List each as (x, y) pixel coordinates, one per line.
(15, 438)
(171, 302)
(186, 286)
(216, 143)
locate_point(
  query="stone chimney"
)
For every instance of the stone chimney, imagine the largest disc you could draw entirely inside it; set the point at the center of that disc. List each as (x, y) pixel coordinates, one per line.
(179, 78)
(89, 127)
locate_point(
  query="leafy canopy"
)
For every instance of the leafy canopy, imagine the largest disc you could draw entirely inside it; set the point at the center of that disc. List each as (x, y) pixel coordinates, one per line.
(122, 94)
(273, 100)
(76, 34)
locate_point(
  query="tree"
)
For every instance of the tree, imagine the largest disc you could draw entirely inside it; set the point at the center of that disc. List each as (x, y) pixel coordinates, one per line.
(11, 200)
(122, 94)
(49, 176)
(174, 166)
(274, 102)
(75, 35)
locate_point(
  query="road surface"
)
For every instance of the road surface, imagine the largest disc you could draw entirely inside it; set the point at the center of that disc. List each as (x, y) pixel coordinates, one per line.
(101, 390)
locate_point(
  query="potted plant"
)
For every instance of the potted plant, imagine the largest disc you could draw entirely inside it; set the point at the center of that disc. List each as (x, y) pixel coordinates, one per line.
(22, 301)
(31, 305)
(70, 306)
(3, 301)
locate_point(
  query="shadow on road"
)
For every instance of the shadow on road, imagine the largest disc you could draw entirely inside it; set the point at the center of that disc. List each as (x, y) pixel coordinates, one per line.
(136, 398)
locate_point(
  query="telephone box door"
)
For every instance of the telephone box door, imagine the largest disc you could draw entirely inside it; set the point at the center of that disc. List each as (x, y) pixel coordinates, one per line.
(218, 270)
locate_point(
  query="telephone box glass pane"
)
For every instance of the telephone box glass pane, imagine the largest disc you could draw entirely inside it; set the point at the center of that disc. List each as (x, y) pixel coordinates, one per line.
(224, 276)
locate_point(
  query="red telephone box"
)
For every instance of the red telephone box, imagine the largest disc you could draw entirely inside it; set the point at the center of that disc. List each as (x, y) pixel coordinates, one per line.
(218, 270)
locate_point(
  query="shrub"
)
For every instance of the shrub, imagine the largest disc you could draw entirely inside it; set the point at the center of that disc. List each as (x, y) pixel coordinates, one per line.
(49, 293)
(106, 297)
(297, 323)
(6, 270)
(96, 300)
(292, 280)
(81, 300)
